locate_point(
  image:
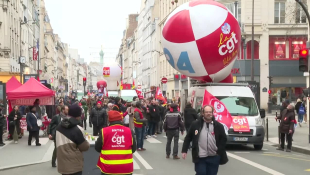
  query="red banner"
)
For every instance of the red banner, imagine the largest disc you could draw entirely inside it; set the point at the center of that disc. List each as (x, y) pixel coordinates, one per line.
(221, 113)
(240, 124)
(23, 123)
(30, 101)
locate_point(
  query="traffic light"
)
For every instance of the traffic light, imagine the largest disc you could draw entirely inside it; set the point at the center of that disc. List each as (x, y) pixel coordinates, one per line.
(84, 81)
(306, 92)
(270, 80)
(269, 91)
(303, 60)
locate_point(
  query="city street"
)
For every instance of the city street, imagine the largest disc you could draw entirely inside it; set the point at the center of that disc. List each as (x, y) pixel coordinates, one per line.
(153, 162)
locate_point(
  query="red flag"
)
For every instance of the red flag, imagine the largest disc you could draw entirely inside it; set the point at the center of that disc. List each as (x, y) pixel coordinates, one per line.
(139, 93)
(107, 94)
(38, 78)
(221, 113)
(133, 85)
(160, 96)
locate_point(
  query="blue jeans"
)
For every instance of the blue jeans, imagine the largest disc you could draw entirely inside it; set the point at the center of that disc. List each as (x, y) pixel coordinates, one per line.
(300, 118)
(140, 136)
(151, 130)
(207, 165)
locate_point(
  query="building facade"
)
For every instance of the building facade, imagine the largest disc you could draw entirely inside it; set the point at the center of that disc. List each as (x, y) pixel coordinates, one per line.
(280, 31)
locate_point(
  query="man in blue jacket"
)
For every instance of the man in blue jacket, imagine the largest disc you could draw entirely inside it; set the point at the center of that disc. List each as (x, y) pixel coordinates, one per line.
(32, 125)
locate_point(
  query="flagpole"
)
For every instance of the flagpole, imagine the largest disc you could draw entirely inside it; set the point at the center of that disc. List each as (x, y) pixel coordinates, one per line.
(38, 59)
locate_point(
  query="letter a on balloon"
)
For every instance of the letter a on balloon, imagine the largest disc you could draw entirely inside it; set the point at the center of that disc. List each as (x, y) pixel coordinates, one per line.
(220, 112)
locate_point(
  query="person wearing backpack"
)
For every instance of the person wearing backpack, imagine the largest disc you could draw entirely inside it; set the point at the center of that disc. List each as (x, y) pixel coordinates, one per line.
(300, 110)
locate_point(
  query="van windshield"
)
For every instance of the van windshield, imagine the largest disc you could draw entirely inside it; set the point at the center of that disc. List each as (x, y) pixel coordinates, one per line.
(240, 106)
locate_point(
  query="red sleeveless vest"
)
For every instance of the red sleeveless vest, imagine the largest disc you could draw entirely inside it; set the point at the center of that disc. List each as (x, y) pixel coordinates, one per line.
(138, 124)
(116, 152)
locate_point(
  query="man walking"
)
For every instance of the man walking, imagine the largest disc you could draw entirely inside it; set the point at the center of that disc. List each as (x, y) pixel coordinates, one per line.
(52, 129)
(98, 118)
(286, 127)
(209, 140)
(71, 143)
(116, 144)
(172, 125)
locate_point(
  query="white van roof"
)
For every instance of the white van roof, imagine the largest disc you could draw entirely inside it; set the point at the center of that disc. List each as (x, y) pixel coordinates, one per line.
(223, 90)
(128, 93)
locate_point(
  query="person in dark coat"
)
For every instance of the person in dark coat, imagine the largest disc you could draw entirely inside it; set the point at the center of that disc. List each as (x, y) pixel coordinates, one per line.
(52, 129)
(98, 118)
(209, 141)
(286, 127)
(32, 126)
(2, 124)
(14, 121)
(190, 115)
(154, 118)
(300, 111)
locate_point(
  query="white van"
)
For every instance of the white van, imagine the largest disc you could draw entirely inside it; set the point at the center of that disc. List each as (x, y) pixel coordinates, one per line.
(128, 95)
(239, 101)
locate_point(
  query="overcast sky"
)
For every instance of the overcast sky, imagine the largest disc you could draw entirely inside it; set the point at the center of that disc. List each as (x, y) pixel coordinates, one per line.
(86, 25)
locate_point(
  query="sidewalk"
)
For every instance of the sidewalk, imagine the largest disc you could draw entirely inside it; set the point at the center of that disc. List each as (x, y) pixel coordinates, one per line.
(18, 155)
(300, 137)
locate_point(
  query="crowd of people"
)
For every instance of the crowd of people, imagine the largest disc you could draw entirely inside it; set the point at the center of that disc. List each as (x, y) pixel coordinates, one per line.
(126, 124)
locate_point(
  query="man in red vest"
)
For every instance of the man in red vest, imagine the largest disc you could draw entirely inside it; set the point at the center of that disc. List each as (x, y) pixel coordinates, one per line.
(116, 144)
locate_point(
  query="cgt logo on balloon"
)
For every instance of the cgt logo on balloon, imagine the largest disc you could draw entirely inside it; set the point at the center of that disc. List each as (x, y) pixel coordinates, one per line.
(240, 124)
(206, 47)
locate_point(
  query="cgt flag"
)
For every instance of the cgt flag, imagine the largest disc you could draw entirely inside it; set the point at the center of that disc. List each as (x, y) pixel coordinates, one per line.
(220, 112)
(160, 96)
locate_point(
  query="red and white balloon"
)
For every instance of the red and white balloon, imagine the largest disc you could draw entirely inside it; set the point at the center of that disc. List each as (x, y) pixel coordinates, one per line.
(101, 85)
(201, 39)
(112, 72)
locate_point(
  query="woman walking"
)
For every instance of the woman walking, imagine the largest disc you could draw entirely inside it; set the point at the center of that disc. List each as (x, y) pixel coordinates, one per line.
(300, 110)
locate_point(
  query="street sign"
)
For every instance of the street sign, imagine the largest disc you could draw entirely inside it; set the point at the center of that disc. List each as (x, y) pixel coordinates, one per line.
(264, 89)
(164, 80)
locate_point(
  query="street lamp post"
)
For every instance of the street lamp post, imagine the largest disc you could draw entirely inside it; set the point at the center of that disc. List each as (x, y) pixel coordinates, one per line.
(308, 46)
(20, 48)
(252, 44)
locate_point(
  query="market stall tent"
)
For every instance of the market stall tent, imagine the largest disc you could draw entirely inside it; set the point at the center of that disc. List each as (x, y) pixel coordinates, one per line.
(12, 84)
(29, 92)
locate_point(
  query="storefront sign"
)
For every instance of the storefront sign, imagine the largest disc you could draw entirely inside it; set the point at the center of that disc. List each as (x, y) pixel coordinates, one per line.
(240, 124)
(43, 81)
(235, 70)
(27, 77)
(30, 101)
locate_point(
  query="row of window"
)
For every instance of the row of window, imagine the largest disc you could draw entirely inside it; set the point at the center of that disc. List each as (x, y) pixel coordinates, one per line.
(280, 12)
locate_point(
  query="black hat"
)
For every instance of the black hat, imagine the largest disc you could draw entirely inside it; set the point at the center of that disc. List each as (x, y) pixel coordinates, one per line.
(30, 108)
(75, 110)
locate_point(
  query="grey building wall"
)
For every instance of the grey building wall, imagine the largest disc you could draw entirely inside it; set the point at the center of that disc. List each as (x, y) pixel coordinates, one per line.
(245, 68)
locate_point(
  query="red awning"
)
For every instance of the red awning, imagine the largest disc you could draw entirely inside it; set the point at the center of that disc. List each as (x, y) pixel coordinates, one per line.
(31, 89)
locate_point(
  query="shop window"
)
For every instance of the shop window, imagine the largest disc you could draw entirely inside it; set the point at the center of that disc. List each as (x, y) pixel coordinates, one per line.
(295, 47)
(279, 12)
(256, 50)
(279, 95)
(279, 49)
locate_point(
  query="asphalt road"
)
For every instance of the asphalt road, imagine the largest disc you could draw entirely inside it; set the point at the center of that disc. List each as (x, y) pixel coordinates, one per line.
(241, 159)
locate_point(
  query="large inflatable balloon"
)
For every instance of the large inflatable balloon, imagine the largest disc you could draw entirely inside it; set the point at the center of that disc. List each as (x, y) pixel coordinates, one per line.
(101, 85)
(112, 71)
(201, 39)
